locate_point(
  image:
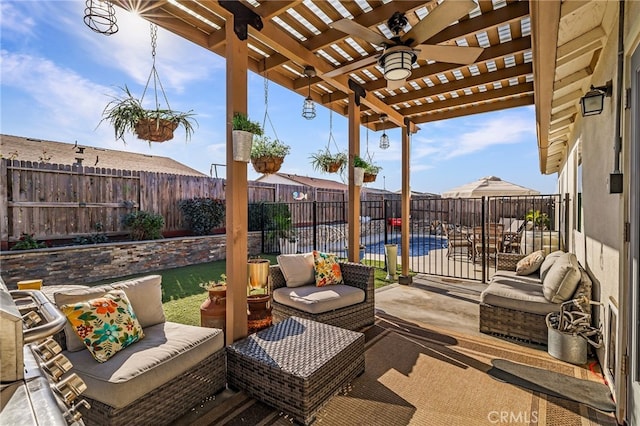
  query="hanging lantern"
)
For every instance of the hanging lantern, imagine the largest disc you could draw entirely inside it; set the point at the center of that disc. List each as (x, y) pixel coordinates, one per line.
(100, 16)
(384, 139)
(309, 107)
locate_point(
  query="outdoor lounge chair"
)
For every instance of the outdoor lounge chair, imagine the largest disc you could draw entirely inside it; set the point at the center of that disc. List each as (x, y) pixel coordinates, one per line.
(492, 243)
(457, 239)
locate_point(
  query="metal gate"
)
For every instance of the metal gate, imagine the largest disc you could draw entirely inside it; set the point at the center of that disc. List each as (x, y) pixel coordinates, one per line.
(461, 237)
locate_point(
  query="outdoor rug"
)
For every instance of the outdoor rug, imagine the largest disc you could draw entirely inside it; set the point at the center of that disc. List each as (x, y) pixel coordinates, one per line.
(588, 392)
(418, 375)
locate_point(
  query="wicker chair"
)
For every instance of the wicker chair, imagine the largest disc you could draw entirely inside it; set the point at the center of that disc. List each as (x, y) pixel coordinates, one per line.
(352, 317)
(516, 323)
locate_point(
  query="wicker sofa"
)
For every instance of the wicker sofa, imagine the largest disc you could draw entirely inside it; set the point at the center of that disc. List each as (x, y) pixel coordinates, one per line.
(349, 306)
(156, 379)
(515, 306)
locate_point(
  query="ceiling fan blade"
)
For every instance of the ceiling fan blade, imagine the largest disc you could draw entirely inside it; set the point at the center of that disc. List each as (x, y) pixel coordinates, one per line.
(350, 27)
(352, 66)
(395, 84)
(451, 54)
(438, 19)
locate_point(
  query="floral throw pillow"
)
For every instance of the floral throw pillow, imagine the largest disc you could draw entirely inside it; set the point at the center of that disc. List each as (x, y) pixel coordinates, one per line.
(105, 325)
(530, 263)
(327, 269)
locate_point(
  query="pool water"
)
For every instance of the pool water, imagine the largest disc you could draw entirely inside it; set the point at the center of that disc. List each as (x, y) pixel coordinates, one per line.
(419, 245)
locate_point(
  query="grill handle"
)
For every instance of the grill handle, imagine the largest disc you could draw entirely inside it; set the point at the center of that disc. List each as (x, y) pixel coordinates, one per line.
(54, 317)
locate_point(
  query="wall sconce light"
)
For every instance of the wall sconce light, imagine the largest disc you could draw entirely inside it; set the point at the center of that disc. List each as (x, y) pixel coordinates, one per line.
(396, 62)
(384, 139)
(593, 102)
(309, 108)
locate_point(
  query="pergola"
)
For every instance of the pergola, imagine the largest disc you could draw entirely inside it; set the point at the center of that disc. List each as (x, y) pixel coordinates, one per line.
(278, 39)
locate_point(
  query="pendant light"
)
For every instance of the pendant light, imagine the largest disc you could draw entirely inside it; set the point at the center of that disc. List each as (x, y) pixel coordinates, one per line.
(384, 139)
(309, 107)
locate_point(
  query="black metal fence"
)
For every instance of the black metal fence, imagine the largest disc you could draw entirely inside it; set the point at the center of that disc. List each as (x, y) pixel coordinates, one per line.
(448, 237)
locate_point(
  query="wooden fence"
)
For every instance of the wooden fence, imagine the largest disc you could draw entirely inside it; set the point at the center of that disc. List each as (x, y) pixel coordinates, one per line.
(54, 201)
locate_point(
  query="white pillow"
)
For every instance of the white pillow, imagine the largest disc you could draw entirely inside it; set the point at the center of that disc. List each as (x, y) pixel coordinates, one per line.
(561, 281)
(297, 269)
(548, 262)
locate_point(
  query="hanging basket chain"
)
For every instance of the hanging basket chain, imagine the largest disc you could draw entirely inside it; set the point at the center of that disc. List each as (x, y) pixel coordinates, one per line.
(266, 107)
(331, 138)
(154, 72)
(369, 156)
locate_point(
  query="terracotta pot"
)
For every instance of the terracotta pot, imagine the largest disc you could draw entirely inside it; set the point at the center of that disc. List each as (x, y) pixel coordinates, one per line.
(213, 311)
(259, 315)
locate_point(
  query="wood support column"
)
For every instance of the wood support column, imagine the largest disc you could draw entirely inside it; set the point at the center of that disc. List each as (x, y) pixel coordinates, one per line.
(236, 191)
(405, 205)
(354, 191)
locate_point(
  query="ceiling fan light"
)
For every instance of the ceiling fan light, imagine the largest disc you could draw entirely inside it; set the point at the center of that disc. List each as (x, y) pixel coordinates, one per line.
(397, 64)
(309, 109)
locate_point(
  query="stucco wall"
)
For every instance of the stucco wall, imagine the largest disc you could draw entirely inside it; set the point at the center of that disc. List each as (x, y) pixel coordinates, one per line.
(599, 245)
(85, 264)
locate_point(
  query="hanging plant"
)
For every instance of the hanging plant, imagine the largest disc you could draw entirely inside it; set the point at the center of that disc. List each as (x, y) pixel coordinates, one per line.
(243, 132)
(326, 162)
(267, 155)
(370, 170)
(127, 114)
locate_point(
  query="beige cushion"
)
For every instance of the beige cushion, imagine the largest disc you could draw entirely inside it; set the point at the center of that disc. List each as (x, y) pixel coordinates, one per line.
(561, 281)
(168, 350)
(530, 263)
(297, 269)
(520, 293)
(144, 294)
(548, 262)
(316, 300)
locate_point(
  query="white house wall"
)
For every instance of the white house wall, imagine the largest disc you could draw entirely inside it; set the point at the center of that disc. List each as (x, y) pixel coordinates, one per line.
(600, 246)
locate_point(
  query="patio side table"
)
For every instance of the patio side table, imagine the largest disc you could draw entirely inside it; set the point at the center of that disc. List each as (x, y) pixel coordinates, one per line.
(296, 365)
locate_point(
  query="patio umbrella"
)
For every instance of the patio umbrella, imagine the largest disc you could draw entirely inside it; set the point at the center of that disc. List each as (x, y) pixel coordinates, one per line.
(490, 186)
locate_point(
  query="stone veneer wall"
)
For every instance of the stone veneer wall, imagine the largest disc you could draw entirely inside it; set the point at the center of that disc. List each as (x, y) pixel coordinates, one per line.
(89, 263)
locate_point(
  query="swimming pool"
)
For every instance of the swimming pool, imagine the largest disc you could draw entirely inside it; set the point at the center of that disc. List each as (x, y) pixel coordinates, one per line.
(419, 245)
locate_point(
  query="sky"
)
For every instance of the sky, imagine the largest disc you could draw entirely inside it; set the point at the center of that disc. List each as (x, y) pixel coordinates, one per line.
(57, 76)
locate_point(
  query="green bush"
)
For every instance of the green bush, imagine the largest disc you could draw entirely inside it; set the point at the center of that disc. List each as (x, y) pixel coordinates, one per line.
(203, 214)
(97, 237)
(144, 225)
(267, 215)
(27, 242)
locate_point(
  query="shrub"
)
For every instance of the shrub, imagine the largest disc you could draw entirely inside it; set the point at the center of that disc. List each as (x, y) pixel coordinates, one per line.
(203, 214)
(27, 242)
(144, 225)
(97, 237)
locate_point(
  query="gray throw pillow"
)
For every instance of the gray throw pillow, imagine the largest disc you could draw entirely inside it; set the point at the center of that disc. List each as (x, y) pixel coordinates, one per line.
(562, 279)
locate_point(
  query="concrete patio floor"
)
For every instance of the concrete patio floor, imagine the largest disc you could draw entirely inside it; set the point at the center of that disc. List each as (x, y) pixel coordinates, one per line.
(438, 303)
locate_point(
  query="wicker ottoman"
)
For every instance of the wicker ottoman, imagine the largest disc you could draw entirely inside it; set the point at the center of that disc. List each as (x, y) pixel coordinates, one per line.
(296, 365)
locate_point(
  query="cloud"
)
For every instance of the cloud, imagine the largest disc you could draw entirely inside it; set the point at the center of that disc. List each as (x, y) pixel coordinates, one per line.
(14, 22)
(129, 51)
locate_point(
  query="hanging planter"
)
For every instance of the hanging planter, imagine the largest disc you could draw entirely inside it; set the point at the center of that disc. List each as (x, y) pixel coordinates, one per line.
(369, 177)
(155, 130)
(127, 114)
(243, 132)
(326, 162)
(267, 155)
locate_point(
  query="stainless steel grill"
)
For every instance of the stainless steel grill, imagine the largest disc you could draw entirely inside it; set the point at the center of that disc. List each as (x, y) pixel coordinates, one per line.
(36, 384)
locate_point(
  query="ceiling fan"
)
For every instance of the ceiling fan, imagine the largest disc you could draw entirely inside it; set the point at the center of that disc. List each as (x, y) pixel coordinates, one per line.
(401, 51)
